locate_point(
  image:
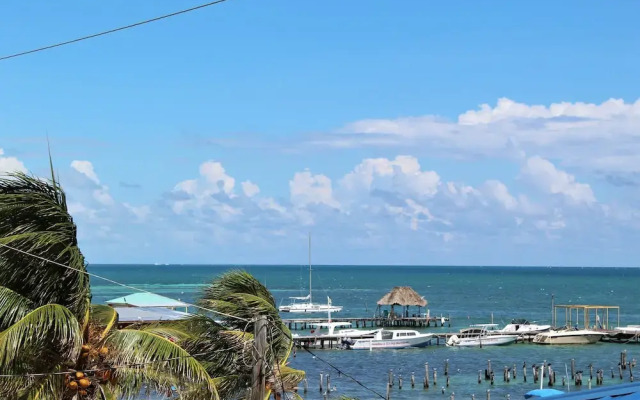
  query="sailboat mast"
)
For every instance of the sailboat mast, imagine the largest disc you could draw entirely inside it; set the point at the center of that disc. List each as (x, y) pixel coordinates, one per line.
(310, 300)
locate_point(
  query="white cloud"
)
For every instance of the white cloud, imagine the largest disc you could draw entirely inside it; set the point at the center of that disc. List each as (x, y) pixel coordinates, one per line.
(214, 173)
(101, 192)
(499, 192)
(86, 169)
(140, 212)
(596, 137)
(552, 180)
(10, 164)
(250, 189)
(403, 174)
(306, 188)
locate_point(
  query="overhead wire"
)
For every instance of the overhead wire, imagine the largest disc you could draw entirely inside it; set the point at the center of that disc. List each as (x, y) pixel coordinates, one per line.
(344, 373)
(118, 283)
(111, 30)
(131, 365)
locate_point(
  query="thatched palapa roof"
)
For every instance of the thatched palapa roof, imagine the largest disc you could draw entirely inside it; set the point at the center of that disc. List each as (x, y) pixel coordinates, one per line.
(402, 296)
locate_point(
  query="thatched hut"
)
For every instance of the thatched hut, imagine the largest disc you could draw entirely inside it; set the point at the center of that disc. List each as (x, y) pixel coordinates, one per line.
(403, 296)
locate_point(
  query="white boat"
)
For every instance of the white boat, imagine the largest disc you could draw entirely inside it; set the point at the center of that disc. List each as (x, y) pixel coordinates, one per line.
(568, 336)
(628, 330)
(479, 335)
(522, 326)
(392, 339)
(305, 305)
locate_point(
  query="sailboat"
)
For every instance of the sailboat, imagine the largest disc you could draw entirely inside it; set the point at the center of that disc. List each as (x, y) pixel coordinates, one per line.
(305, 305)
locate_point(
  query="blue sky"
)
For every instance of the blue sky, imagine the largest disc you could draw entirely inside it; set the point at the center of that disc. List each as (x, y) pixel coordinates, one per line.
(397, 133)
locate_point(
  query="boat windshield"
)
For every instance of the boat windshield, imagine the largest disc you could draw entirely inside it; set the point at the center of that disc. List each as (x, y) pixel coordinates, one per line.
(387, 335)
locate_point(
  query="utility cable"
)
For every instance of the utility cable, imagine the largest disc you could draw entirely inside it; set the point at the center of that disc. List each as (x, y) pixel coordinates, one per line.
(345, 374)
(118, 283)
(111, 30)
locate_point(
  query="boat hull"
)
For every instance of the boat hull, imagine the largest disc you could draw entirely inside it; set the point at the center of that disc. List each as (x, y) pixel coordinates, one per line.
(373, 344)
(568, 338)
(489, 340)
(309, 309)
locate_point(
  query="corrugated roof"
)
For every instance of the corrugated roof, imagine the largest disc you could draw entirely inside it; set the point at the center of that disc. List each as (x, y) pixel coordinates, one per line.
(148, 314)
(626, 391)
(145, 300)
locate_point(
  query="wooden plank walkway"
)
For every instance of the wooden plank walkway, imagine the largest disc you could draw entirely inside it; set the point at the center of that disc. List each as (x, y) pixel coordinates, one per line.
(295, 324)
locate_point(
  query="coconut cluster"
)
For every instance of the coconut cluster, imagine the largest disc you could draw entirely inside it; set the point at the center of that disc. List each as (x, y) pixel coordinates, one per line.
(83, 383)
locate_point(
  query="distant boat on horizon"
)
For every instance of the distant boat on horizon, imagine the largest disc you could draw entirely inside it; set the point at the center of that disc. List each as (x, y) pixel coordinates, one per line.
(305, 304)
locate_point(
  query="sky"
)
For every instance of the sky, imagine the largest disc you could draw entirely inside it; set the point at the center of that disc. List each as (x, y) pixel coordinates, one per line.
(395, 133)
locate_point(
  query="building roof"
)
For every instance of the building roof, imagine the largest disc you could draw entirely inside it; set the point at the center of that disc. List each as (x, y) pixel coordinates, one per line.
(145, 300)
(402, 296)
(129, 315)
(626, 391)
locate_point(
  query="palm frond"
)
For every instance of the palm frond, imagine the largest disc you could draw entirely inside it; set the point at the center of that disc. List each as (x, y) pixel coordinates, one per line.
(44, 388)
(237, 281)
(34, 219)
(13, 306)
(45, 340)
(50, 331)
(154, 360)
(104, 318)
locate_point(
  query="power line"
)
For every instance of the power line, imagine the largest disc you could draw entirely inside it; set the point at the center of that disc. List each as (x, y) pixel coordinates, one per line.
(111, 30)
(345, 374)
(118, 283)
(132, 365)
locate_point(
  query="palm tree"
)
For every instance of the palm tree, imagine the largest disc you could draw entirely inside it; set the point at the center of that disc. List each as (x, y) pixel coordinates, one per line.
(225, 347)
(49, 329)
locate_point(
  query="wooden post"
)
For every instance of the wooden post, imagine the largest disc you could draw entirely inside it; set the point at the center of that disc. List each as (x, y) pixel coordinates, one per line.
(400, 382)
(413, 380)
(620, 370)
(447, 380)
(514, 372)
(435, 377)
(479, 378)
(388, 391)
(426, 375)
(321, 382)
(328, 383)
(446, 367)
(573, 369)
(260, 342)
(488, 394)
(524, 371)
(391, 377)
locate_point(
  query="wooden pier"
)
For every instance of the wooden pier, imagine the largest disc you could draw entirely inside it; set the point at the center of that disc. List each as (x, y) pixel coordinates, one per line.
(373, 322)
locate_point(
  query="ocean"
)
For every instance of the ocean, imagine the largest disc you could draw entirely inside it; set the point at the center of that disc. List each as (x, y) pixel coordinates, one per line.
(467, 295)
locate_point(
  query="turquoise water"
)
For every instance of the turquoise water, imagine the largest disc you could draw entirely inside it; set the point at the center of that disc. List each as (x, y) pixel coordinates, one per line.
(466, 294)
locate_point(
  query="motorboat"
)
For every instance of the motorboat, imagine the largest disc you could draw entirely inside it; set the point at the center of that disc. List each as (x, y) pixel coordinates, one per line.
(568, 336)
(522, 326)
(328, 329)
(305, 304)
(632, 330)
(392, 339)
(480, 335)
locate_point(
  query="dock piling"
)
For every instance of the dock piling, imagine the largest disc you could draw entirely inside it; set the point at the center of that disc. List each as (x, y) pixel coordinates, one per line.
(413, 380)
(426, 375)
(321, 380)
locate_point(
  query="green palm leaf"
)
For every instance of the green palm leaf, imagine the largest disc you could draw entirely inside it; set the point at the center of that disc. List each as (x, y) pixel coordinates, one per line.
(34, 219)
(159, 362)
(42, 341)
(104, 318)
(13, 306)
